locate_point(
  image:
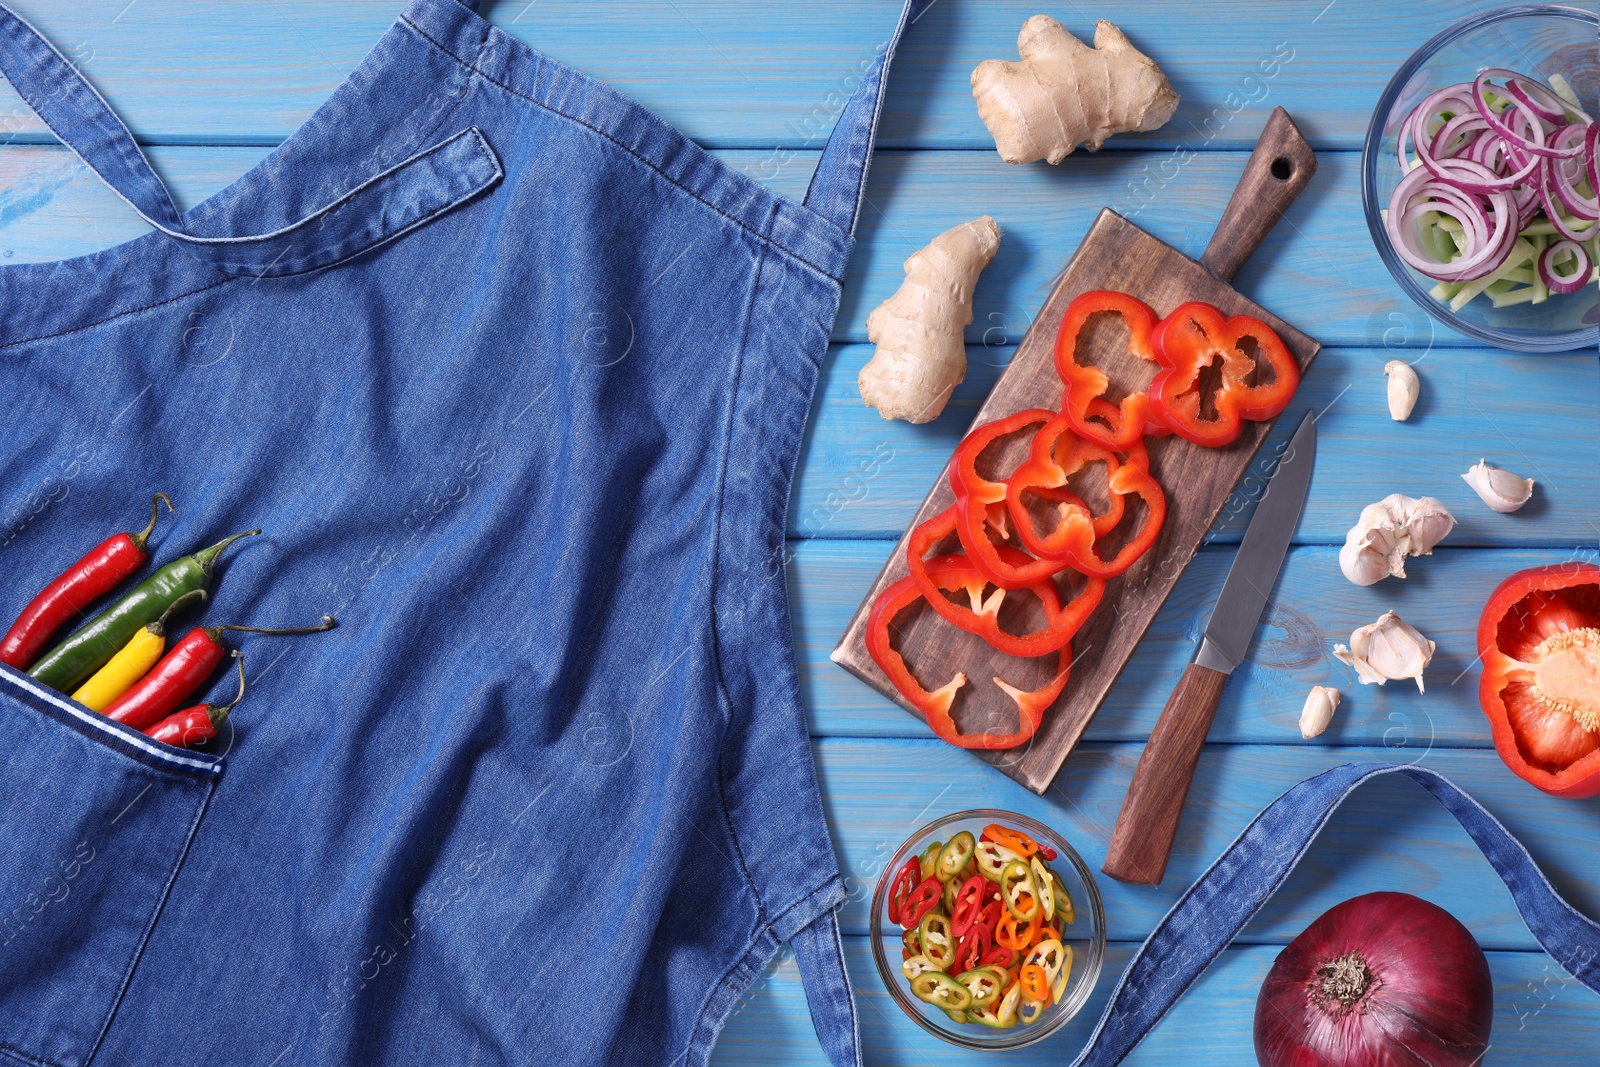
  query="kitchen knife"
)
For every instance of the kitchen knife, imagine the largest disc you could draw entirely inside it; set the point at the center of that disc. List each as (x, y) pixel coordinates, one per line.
(1142, 840)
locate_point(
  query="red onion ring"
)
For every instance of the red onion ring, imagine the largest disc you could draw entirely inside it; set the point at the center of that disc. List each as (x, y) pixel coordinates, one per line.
(1564, 283)
(1536, 143)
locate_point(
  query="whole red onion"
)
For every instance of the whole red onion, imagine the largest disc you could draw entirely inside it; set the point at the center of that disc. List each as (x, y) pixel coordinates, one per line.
(1382, 980)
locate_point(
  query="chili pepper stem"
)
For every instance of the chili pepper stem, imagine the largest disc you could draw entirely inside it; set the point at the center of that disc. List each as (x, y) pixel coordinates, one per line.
(207, 557)
(142, 538)
(328, 622)
(218, 713)
(159, 627)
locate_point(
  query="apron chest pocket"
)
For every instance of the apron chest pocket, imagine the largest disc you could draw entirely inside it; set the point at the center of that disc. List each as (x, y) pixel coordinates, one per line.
(94, 823)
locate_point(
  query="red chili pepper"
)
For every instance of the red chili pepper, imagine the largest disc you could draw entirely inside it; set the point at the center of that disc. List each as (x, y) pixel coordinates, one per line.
(904, 883)
(1047, 852)
(184, 668)
(1113, 427)
(86, 581)
(1000, 956)
(189, 727)
(977, 943)
(1196, 336)
(935, 706)
(969, 905)
(952, 574)
(922, 900)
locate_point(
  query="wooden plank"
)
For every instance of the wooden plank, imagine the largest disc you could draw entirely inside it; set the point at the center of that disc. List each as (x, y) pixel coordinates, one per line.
(1542, 1016)
(1195, 481)
(1313, 607)
(757, 74)
(1389, 835)
(1317, 269)
(862, 477)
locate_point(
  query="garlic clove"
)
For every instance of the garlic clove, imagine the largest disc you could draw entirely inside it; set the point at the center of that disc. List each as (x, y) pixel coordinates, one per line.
(1320, 705)
(1368, 556)
(1387, 650)
(1427, 524)
(1404, 385)
(1387, 532)
(1500, 489)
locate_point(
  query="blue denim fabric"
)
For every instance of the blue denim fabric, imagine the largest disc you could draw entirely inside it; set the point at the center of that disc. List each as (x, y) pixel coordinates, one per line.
(514, 377)
(1211, 912)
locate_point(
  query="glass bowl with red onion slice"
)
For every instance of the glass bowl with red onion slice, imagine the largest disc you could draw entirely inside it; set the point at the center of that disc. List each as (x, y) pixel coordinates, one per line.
(1479, 178)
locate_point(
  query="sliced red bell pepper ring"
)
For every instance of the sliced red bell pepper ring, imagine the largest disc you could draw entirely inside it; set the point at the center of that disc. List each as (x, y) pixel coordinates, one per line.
(976, 497)
(1073, 539)
(935, 707)
(966, 572)
(1196, 336)
(1117, 427)
(1043, 474)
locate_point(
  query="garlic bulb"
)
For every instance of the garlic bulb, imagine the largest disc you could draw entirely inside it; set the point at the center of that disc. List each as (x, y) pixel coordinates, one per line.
(1388, 649)
(1403, 388)
(1501, 490)
(1395, 527)
(1321, 703)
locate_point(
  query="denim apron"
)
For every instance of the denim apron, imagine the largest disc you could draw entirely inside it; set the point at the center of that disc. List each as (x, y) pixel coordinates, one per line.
(513, 376)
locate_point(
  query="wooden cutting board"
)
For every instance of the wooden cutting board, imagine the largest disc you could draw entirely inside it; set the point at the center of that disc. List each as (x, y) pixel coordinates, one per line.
(1198, 481)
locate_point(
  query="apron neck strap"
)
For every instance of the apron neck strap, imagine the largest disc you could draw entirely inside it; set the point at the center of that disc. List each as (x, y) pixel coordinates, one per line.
(840, 179)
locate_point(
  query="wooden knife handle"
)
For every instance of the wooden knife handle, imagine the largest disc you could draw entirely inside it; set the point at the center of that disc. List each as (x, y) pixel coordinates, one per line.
(1279, 168)
(1142, 840)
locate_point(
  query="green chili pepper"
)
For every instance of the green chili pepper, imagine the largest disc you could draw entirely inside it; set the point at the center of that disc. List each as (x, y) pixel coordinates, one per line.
(938, 944)
(66, 666)
(929, 857)
(1041, 882)
(956, 1016)
(1064, 906)
(983, 986)
(940, 990)
(1018, 891)
(992, 858)
(915, 965)
(954, 856)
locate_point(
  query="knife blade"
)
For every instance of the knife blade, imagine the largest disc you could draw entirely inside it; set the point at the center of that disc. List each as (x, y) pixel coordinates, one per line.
(1142, 840)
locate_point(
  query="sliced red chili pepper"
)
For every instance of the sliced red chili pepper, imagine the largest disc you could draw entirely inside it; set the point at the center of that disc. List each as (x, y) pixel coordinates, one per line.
(904, 883)
(1073, 539)
(1115, 427)
(922, 900)
(1000, 956)
(92, 577)
(1061, 622)
(976, 944)
(1047, 852)
(1196, 336)
(969, 905)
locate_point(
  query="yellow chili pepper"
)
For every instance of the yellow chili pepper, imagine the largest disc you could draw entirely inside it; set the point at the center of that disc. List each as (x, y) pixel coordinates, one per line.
(132, 662)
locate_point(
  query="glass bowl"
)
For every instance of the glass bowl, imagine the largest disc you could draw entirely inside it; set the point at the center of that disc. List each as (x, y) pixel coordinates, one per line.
(1534, 39)
(1086, 935)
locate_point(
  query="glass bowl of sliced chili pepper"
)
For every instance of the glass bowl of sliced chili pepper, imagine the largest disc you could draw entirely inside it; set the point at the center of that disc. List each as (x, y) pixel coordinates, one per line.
(988, 930)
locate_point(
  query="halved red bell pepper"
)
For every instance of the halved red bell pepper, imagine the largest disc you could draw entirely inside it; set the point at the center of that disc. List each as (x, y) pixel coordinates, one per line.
(1117, 427)
(1196, 336)
(983, 618)
(1539, 641)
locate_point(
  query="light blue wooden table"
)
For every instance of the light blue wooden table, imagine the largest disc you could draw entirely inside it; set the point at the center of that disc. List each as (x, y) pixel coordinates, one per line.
(212, 87)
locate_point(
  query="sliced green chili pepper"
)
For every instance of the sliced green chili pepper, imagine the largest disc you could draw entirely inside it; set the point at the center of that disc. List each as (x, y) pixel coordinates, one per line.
(1028, 1011)
(952, 858)
(67, 665)
(940, 990)
(1021, 896)
(992, 858)
(938, 946)
(1041, 882)
(1064, 906)
(956, 1016)
(930, 856)
(1003, 1014)
(984, 987)
(916, 965)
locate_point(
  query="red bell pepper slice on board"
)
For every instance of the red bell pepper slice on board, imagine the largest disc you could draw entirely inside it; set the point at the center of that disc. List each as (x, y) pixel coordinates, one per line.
(1117, 427)
(1044, 472)
(1196, 336)
(983, 619)
(935, 706)
(1539, 640)
(977, 496)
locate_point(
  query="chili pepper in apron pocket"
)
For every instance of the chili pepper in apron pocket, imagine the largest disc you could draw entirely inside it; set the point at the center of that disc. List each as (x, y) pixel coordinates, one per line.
(89, 579)
(183, 670)
(189, 727)
(66, 666)
(133, 661)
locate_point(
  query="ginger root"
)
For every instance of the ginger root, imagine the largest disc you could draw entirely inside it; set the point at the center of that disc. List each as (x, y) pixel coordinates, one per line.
(921, 355)
(1064, 93)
